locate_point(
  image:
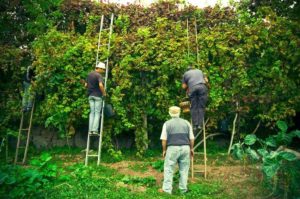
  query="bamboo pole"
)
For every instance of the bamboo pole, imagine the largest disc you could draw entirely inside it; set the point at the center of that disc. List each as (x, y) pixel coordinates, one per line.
(204, 148)
(187, 36)
(233, 128)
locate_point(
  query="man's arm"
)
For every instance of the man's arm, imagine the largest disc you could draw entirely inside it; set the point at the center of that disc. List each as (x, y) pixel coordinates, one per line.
(206, 79)
(164, 138)
(192, 147)
(102, 89)
(164, 146)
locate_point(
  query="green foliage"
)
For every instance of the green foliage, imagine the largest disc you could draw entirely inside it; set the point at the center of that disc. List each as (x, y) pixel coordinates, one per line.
(115, 156)
(18, 182)
(158, 165)
(148, 181)
(276, 163)
(250, 140)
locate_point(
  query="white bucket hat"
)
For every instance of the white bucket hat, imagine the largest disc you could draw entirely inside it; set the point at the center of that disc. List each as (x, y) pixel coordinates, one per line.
(174, 111)
(100, 65)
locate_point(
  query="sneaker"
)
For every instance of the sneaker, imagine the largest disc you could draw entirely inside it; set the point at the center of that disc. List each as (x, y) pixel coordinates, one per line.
(185, 192)
(162, 191)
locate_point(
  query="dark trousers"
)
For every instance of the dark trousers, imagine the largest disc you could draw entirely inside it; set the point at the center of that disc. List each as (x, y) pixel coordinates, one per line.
(198, 98)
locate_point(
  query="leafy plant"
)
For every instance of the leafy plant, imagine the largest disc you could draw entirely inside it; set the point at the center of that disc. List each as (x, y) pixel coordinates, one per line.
(158, 165)
(148, 181)
(115, 156)
(278, 165)
(19, 182)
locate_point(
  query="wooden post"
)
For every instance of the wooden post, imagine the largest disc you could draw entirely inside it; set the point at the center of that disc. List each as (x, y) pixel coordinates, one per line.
(233, 128)
(192, 166)
(204, 148)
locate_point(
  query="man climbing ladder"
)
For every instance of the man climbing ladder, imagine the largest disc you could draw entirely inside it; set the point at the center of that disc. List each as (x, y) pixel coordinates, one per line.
(97, 85)
(96, 92)
(194, 82)
(26, 116)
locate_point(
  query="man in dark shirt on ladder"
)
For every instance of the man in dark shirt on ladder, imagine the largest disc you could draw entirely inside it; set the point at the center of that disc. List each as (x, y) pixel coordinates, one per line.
(194, 82)
(96, 91)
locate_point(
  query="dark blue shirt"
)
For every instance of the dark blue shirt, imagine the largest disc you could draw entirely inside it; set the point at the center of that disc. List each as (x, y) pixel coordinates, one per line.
(93, 81)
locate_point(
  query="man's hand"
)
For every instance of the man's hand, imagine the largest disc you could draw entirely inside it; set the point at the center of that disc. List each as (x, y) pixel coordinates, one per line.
(192, 152)
(184, 86)
(164, 154)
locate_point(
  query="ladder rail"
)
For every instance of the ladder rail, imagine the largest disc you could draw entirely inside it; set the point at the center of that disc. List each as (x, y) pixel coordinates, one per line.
(187, 37)
(87, 150)
(105, 86)
(19, 138)
(196, 35)
(204, 149)
(28, 133)
(99, 39)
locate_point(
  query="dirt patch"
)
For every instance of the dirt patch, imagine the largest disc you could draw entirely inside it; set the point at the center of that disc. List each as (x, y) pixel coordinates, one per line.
(232, 174)
(69, 160)
(126, 168)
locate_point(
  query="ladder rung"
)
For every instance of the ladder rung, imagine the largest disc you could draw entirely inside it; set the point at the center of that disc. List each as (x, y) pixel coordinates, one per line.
(103, 45)
(199, 153)
(103, 29)
(25, 129)
(94, 134)
(200, 171)
(92, 155)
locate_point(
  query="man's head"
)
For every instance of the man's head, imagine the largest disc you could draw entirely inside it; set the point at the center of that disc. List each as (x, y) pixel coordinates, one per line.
(174, 111)
(100, 68)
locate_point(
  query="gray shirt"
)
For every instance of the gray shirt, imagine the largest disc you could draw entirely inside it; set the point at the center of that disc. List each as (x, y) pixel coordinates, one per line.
(193, 77)
(177, 132)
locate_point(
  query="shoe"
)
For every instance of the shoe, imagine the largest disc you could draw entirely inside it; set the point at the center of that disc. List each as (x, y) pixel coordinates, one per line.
(162, 191)
(185, 192)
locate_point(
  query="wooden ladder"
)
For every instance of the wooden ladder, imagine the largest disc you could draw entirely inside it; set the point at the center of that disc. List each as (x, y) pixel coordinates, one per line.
(21, 135)
(193, 171)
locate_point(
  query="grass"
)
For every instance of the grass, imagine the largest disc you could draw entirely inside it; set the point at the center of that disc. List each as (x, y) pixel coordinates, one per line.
(139, 167)
(74, 180)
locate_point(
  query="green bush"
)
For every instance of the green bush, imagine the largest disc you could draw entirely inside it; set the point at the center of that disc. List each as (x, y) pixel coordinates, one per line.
(280, 167)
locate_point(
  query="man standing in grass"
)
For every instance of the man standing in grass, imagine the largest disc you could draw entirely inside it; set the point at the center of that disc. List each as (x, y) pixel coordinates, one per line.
(178, 143)
(96, 91)
(194, 82)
